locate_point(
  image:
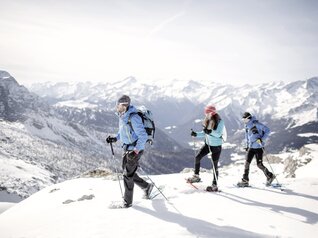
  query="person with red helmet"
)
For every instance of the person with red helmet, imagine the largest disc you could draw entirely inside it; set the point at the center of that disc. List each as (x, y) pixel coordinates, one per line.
(213, 127)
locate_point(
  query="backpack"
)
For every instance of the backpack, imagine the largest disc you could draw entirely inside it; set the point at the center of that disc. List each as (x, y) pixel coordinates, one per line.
(147, 120)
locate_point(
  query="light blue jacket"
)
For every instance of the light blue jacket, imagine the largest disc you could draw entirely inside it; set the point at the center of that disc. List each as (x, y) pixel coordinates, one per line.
(128, 135)
(215, 137)
(255, 130)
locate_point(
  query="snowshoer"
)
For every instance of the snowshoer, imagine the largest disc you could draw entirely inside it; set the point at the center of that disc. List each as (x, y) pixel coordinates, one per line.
(134, 137)
(213, 127)
(255, 135)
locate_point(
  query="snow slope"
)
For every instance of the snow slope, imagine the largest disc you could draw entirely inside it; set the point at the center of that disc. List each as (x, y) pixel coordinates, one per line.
(79, 208)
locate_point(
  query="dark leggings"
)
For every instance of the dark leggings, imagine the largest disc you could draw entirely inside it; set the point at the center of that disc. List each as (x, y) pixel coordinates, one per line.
(259, 160)
(131, 178)
(216, 152)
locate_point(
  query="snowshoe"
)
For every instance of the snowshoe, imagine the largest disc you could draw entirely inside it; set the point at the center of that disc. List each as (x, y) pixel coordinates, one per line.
(270, 180)
(194, 179)
(213, 188)
(148, 191)
(119, 205)
(243, 183)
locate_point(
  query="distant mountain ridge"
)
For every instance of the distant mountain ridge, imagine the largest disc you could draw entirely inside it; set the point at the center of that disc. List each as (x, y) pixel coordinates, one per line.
(288, 108)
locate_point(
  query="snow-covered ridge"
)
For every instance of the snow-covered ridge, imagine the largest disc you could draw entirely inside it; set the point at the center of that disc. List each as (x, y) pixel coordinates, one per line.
(289, 109)
(79, 208)
(280, 100)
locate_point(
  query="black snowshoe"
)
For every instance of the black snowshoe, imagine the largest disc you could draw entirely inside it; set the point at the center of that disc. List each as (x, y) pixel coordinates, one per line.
(270, 180)
(243, 183)
(213, 188)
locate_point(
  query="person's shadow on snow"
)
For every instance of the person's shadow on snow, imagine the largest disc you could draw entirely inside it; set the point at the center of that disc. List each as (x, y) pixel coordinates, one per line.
(197, 227)
(311, 217)
(288, 192)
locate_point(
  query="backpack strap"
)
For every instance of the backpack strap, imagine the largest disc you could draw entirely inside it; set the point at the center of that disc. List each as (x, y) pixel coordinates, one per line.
(129, 120)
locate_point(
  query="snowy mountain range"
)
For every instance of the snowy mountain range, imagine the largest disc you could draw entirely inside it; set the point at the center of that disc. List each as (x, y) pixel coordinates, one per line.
(289, 109)
(59, 129)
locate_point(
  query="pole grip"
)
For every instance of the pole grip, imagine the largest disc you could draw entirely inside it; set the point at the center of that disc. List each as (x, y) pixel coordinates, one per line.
(111, 146)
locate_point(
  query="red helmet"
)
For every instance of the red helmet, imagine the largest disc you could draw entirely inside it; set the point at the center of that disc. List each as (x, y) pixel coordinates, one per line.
(210, 110)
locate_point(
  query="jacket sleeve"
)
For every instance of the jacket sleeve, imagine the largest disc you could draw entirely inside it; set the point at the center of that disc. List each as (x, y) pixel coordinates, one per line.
(139, 129)
(265, 131)
(246, 137)
(200, 134)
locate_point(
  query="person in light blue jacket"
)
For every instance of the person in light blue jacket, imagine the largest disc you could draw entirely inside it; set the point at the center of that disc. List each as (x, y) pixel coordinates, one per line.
(133, 136)
(213, 127)
(256, 134)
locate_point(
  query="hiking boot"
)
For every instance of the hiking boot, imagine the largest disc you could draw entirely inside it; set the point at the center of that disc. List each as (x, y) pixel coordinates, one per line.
(126, 205)
(243, 183)
(270, 180)
(213, 188)
(194, 179)
(148, 191)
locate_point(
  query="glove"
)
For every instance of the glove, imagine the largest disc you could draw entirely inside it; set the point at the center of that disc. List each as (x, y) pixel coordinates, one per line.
(207, 131)
(259, 141)
(193, 133)
(246, 148)
(111, 139)
(132, 155)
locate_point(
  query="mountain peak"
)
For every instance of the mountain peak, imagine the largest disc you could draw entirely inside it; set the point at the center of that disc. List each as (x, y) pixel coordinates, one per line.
(312, 83)
(6, 79)
(15, 99)
(4, 74)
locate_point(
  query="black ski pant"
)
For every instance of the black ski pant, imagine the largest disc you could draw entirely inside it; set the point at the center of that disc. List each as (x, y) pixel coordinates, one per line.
(258, 153)
(131, 178)
(216, 152)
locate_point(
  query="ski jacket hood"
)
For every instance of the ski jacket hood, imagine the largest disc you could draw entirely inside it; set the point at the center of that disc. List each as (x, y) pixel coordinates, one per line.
(133, 138)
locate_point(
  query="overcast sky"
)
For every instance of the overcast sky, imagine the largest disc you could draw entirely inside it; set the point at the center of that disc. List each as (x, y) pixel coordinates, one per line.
(224, 41)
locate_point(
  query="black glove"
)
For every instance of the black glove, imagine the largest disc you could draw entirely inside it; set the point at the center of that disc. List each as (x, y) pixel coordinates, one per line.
(207, 131)
(246, 148)
(132, 155)
(111, 139)
(193, 133)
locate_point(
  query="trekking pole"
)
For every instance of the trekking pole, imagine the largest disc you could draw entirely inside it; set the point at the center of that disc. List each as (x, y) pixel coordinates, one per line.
(214, 170)
(265, 155)
(194, 149)
(159, 190)
(193, 141)
(153, 183)
(121, 190)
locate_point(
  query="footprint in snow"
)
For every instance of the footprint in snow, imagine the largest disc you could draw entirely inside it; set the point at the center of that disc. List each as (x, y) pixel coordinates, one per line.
(68, 201)
(84, 197)
(54, 190)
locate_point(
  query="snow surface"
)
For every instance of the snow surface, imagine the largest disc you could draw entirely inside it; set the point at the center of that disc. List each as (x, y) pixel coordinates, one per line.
(79, 208)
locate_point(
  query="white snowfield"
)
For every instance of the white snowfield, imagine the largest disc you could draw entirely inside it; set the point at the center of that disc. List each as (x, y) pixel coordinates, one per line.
(79, 208)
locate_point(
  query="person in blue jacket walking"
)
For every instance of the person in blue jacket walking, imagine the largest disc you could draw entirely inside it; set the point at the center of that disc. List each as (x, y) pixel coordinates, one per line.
(133, 136)
(255, 135)
(213, 127)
